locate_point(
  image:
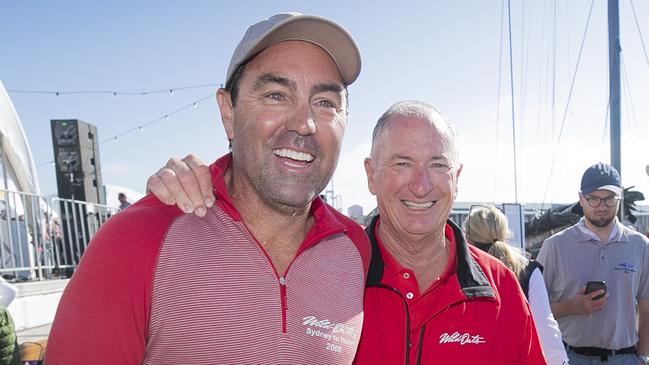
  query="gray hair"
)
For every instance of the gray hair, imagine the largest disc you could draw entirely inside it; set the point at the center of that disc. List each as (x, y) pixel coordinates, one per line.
(419, 109)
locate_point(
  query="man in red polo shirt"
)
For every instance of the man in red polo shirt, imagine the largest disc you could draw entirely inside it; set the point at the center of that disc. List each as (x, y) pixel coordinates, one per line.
(430, 297)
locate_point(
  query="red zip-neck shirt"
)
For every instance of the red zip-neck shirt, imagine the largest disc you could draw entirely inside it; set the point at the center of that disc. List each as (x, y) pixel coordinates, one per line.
(157, 286)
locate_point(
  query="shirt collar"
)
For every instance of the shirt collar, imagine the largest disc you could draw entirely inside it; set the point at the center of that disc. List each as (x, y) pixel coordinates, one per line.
(393, 267)
(325, 220)
(615, 235)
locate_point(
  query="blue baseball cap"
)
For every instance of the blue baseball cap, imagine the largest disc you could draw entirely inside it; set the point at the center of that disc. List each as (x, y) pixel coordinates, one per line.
(601, 176)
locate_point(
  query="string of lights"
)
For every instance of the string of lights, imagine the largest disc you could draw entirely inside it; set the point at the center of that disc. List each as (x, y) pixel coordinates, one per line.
(170, 90)
(140, 127)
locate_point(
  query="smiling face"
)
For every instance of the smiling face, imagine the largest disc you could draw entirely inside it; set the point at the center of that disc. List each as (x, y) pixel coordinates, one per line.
(413, 175)
(287, 126)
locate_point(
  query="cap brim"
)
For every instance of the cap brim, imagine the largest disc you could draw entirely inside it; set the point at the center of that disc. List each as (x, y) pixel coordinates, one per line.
(612, 188)
(332, 38)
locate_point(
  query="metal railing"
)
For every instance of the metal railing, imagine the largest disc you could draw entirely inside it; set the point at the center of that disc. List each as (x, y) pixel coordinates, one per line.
(40, 238)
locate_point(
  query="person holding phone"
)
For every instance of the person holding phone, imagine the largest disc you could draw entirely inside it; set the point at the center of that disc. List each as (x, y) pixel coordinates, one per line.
(597, 275)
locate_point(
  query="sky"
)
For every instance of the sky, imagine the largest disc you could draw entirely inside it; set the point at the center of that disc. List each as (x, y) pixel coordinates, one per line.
(451, 54)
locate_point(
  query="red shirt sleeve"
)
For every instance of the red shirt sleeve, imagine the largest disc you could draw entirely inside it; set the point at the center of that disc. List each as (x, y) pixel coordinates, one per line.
(102, 317)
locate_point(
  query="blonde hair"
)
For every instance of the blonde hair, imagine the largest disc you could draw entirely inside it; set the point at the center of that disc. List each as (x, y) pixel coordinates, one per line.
(488, 225)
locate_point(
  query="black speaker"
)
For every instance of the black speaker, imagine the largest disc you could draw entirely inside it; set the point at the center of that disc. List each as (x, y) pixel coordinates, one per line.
(76, 157)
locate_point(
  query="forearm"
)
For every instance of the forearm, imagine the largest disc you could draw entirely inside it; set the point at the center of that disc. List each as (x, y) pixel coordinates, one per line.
(564, 308)
(643, 327)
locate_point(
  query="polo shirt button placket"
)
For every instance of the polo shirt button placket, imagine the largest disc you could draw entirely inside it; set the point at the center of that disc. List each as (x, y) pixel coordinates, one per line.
(409, 295)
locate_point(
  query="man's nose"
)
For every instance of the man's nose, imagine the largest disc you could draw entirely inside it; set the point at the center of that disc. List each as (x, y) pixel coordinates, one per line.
(301, 121)
(421, 183)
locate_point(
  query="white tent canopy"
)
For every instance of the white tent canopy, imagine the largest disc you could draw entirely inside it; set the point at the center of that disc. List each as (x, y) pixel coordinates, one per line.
(14, 145)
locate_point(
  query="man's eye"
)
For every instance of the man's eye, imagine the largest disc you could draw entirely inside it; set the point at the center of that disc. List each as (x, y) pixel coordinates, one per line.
(326, 103)
(276, 96)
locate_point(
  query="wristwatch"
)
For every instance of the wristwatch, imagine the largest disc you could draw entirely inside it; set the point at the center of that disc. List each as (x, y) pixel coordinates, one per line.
(644, 359)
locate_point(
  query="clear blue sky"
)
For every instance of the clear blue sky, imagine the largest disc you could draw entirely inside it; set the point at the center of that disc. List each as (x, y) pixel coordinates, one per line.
(442, 52)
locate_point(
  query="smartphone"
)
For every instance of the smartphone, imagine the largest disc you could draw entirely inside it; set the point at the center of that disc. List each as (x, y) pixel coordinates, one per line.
(592, 286)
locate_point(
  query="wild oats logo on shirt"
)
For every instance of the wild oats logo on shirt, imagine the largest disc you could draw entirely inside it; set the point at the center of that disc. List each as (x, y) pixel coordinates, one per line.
(336, 334)
(625, 266)
(462, 339)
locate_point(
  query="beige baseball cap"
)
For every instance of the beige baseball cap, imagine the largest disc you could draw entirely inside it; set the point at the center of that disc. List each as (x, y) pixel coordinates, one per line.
(326, 34)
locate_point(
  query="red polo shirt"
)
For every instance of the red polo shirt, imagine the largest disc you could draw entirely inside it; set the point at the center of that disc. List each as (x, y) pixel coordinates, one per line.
(474, 313)
(404, 281)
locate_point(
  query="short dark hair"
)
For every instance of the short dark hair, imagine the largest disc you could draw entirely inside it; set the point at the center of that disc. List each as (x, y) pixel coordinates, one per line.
(232, 85)
(121, 195)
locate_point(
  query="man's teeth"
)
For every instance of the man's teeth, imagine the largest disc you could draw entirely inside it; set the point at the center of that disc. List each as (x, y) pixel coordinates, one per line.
(294, 155)
(414, 205)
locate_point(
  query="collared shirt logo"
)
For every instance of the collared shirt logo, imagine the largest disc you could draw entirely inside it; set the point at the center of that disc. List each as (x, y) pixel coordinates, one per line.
(338, 336)
(625, 266)
(461, 338)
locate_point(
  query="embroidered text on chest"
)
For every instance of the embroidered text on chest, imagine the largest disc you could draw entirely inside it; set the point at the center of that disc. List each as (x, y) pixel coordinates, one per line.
(462, 339)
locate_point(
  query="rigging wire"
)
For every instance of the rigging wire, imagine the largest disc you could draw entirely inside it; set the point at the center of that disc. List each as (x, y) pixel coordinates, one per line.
(555, 26)
(511, 82)
(637, 25)
(630, 107)
(525, 57)
(523, 81)
(540, 92)
(565, 111)
(603, 150)
(500, 67)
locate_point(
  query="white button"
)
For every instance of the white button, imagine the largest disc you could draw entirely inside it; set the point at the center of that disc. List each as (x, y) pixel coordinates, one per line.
(409, 295)
(406, 275)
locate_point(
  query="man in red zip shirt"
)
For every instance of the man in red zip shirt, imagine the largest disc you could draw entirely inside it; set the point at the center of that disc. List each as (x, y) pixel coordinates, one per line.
(281, 273)
(430, 297)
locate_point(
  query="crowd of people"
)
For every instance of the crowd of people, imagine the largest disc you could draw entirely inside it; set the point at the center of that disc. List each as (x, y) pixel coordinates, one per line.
(287, 279)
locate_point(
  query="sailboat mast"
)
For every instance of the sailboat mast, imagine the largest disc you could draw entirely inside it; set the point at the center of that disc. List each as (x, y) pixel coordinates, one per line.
(614, 49)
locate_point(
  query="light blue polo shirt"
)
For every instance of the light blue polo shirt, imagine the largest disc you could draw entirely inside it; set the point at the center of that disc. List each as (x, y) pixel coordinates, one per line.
(575, 256)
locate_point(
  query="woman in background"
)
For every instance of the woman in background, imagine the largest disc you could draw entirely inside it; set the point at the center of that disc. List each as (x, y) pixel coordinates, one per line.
(486, 228)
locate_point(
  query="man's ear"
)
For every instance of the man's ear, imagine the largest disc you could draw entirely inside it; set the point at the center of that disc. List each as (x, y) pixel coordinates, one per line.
(371, 175)
(457, 179)
(224, 99)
